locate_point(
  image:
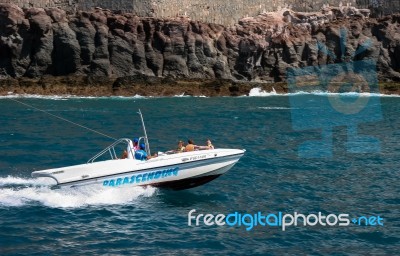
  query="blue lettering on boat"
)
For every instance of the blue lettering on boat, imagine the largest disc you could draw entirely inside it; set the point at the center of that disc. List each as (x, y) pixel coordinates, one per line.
(126, 181)
(141, 177)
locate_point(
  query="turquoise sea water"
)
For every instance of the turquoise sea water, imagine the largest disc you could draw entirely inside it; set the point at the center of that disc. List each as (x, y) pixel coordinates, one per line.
(271, 177)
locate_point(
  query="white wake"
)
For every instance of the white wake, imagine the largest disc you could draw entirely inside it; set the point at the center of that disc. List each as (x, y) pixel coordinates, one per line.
(16, 192)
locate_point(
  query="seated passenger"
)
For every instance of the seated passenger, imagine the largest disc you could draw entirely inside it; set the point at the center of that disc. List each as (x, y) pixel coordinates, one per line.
(190, 146)
(124, 155)
(180, 148)
(209, 144)
(136, 144)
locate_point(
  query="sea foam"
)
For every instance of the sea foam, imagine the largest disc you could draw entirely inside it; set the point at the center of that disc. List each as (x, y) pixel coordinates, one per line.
(258, 92)
(16, 192)
(254, 92)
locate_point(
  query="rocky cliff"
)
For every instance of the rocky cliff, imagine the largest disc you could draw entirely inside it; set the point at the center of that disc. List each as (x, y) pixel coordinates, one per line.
(46, 47)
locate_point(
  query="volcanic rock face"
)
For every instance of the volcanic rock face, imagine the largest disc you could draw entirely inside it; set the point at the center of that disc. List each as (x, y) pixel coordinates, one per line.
(36, 42)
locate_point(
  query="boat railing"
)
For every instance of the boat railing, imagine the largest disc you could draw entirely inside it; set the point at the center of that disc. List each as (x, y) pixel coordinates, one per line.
(110, 149)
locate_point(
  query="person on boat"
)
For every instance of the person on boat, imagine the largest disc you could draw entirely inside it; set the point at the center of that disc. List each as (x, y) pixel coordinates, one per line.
(209, 145)
(190, 146)
(136, 144)
(124, 155)
(180, 148)
(141, 154)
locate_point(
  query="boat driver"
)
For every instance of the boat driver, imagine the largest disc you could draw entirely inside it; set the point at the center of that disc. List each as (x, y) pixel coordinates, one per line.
(141, 153)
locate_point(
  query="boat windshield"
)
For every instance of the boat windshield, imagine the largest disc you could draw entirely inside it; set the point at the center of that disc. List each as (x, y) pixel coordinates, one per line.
(116, 150)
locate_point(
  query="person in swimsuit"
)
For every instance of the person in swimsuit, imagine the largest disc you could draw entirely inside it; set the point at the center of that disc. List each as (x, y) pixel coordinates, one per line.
(190, 146)
(209, 144)
(180, 148)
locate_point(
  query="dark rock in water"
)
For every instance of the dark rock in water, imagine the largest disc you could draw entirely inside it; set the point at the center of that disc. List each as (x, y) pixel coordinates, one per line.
(37, 43)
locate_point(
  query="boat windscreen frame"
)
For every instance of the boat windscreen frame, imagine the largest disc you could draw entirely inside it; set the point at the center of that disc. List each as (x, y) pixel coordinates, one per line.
(146, 140)
(111, 150)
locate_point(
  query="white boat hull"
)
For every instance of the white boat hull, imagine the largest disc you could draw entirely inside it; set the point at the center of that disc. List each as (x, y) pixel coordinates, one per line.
(176, 171)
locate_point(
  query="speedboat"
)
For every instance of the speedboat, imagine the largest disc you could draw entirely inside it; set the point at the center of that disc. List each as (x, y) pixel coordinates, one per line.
(168, 170)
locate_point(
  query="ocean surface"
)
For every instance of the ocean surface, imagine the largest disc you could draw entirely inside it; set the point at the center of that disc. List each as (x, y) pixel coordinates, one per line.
(282, 171)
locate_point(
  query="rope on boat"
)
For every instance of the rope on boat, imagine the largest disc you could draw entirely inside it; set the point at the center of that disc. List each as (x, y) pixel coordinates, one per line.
(63, 119)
